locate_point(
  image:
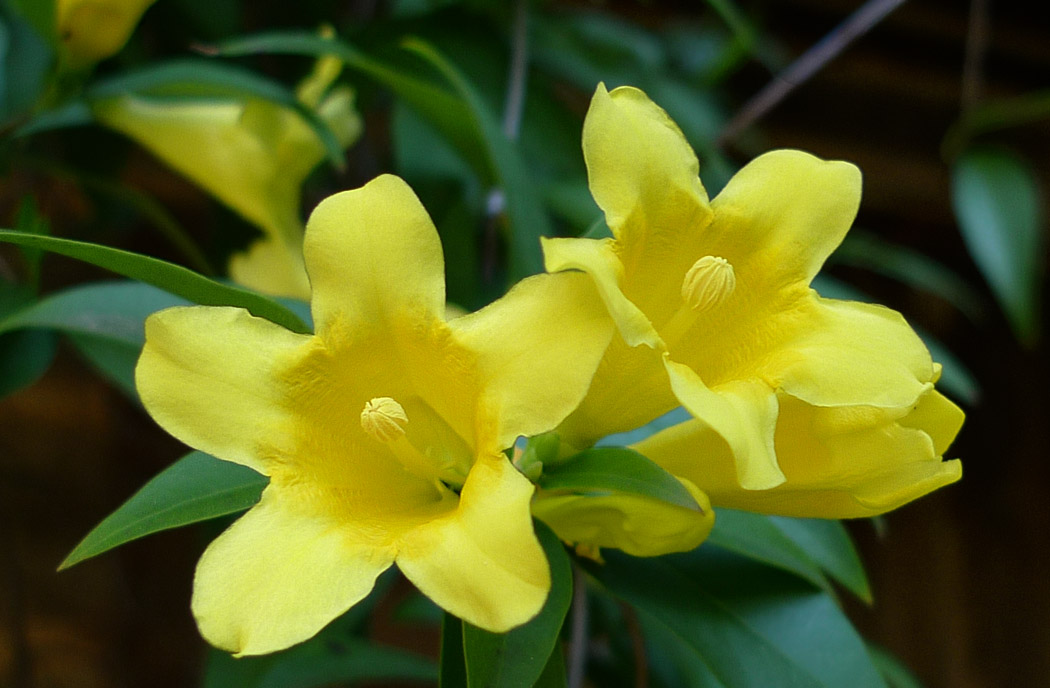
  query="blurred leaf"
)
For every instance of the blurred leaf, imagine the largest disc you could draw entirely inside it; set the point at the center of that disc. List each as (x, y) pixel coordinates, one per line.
(40, 15)
(30, 221)
(526, 216)
(195, 488)
(995, 115)
(871, 252)
(743, 625)
(26, 57)
(24, 356)
(615, 469)
(756, 536)
(76, 113)
(439, 107)
(518, 658)
(829, 544)
(345, 662)
(892, 670)
(197, 78)
(114, 360)
(167, 276)
(996, 200)
(453, 667)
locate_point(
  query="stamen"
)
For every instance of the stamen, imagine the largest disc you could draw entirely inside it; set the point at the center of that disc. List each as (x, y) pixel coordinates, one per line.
(384, 420)
(708, 283)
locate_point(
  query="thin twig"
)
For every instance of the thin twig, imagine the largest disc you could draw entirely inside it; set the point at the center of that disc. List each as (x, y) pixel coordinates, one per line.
(976, 49)
(811, 62)
(514, 103)
(578, 640)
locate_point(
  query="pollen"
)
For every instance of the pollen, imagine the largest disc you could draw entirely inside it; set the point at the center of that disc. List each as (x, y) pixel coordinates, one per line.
(708, 283)
(384, 420)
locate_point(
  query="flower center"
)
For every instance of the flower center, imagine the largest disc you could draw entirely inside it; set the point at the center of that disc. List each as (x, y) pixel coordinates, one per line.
(384, 420)
(708, 283)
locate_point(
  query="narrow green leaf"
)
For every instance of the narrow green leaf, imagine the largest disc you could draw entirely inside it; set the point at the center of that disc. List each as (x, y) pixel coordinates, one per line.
(616, 469)
(871, 252)
(998, 206)
(893, 671)
(755, 536)
(344, 662)
(527, 219)
(518, 658)
(195, 488)
(202, 78)
(553, 675)
(443, 110)
(167, 276)
(743, 624)
(24, 356)
(452, 672)
(829, 544)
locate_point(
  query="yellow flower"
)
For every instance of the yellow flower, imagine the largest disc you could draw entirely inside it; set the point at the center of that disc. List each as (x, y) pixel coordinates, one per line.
(381, 433)
(253, 156)
(715, 312)
(92, 30)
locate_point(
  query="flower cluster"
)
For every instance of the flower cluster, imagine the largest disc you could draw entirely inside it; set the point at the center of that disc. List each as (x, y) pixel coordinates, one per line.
(387, 433)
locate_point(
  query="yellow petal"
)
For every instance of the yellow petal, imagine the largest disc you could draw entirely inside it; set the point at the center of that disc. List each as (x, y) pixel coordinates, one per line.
(374, 258)
(537, 348)
(848, 353)
(91, 30)
(629, 389)
(781, 216)
(598, 259)
(639, 526)
(279, 574)
(639, 165)
(482, 562)
(743, 413)
(212, 378)
(843, 462)
(270, 267)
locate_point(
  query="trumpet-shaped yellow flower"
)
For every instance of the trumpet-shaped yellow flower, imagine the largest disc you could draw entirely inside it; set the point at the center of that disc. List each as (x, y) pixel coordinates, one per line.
(253, 156)
(381, 433)
(715, 312)
(92, 30)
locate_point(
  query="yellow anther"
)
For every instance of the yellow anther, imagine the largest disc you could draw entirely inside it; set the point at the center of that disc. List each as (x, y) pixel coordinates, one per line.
(708, 283)
(384, 420)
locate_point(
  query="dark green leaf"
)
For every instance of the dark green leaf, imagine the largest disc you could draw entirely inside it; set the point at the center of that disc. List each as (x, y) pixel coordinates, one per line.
(439, 107)
(997, 203)
(453, 667)
(828, 544)
(195, 488)
(25, 59)
(345, 662)
(167, 276)
(616, 469)
(527, 220)
(553, 675)
(198, 78)
(755, 536)
(24, 356)
(891, 668)
(871, 252)
(517, 659)
(115, 360)
(742, 624)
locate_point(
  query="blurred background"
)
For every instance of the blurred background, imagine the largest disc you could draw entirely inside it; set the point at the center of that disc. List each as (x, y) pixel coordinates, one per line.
(943, 105)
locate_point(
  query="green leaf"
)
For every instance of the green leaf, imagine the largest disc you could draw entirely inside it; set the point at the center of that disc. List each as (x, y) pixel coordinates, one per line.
(616, 469)
(25, 59)
(112, 359)
(553, 675)
(195, 488)
(740, 624)
(344, 662)
(24, 356)
(755, 536)
(518, 658)
(443, 110)
(453, 668)
(201, 78)
(828, 543)
(871, 252)
(997, 204)
(893, 671)
(167, 276)
(527, 219)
